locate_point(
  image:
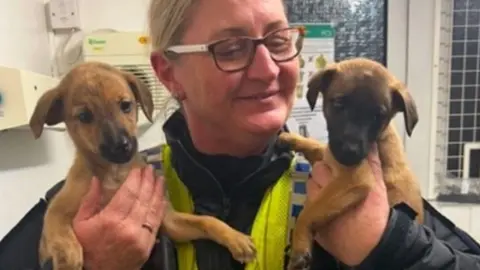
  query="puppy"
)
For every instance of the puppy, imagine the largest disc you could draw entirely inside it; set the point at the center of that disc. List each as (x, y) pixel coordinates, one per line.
(360, 97)
(98, 104)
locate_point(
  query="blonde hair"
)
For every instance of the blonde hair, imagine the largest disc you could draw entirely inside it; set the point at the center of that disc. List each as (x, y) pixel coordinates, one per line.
(167, 20)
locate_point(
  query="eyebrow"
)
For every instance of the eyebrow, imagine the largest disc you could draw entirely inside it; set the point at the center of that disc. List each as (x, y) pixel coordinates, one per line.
(240, 31)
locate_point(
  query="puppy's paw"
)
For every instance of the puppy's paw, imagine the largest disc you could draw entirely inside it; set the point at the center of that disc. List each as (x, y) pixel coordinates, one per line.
(67, 255)
(241, 246)
(300, 261)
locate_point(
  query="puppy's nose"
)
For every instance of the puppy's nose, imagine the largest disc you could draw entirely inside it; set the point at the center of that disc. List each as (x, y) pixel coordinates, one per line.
(351, 149)
(123, 145)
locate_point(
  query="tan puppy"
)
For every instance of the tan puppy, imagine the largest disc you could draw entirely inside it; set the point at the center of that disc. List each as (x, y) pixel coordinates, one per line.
(360, 97)
(98, 104)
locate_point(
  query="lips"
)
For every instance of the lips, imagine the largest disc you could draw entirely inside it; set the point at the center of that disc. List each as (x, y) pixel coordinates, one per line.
(258, 96)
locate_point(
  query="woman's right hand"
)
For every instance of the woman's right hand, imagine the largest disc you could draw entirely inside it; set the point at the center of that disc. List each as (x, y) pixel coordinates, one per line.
(121, 235)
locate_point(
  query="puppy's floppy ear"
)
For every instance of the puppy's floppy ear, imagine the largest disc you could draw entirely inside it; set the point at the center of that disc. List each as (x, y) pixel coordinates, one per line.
(319, 82)
(142, 94)
(48, 110)
(402, 101)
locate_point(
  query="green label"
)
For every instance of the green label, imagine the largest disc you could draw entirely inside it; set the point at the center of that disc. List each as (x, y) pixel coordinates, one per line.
(319, 31)
(93, 41)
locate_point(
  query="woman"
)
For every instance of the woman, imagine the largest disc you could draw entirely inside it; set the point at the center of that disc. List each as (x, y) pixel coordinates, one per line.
(235, 96)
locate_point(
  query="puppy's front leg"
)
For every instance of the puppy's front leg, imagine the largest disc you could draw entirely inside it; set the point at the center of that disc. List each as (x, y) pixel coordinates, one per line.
(312, 149)
(183, 227)
(59, 243)
(332, 201)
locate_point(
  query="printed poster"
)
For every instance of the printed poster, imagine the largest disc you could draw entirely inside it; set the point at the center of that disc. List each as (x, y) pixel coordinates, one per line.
(318, 50)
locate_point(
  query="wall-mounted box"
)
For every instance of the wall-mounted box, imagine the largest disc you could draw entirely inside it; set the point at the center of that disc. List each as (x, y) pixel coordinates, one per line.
(19, 93)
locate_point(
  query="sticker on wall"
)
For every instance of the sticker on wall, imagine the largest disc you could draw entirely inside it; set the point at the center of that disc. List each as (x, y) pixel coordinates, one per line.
(318, 50)
(97, 44)
(143, 40)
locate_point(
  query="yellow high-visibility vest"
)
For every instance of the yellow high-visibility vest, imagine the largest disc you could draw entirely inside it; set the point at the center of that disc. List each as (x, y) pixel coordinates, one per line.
(270, 227)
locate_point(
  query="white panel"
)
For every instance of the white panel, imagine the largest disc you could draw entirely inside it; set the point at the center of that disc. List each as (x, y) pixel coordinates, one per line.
(397, 47)
(130, 15)
(459, 214)
(23, 34)
(475, 222)
(419, 80)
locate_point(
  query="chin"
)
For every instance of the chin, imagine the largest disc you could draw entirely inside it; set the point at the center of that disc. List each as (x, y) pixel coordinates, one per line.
(266, 122)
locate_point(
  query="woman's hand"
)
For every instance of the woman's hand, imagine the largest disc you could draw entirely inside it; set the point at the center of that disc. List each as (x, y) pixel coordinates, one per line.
(354, 235)
(121, 235)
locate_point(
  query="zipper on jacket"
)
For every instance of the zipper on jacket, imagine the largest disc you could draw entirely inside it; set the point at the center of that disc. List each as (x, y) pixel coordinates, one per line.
(225, 201)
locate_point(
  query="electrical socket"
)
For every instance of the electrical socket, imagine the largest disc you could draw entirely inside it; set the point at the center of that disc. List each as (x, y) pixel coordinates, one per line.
(63, 14)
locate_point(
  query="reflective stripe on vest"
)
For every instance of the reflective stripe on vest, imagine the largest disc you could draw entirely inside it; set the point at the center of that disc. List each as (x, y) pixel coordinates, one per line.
(269, 231)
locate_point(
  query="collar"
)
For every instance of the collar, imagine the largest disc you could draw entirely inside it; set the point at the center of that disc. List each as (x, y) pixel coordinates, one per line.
(213, 176)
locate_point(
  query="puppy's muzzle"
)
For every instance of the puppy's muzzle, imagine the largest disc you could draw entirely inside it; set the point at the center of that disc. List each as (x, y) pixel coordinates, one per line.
(349, 153)
(117, 146)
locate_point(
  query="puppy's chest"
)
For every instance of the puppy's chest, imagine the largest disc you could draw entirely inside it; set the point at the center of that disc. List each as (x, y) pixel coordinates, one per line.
(111, 182)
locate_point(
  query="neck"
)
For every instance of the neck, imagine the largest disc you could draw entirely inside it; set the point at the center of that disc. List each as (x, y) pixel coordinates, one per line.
(111, 175)
(208, 140)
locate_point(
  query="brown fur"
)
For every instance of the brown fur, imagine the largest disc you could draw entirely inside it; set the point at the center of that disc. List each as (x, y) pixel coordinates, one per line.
(100, 88)
(352, 184)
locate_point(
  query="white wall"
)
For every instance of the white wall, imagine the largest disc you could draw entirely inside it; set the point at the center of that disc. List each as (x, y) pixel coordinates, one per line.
(28, 168)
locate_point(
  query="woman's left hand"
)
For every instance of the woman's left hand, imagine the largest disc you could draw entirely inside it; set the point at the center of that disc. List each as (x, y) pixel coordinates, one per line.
(353, 236)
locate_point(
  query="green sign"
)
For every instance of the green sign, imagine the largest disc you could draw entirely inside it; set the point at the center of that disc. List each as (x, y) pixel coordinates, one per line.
(93, 41)
(319, 30)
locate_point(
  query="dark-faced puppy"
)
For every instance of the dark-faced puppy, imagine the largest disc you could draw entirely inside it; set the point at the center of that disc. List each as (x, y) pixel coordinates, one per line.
(98, 104)
(360, 97)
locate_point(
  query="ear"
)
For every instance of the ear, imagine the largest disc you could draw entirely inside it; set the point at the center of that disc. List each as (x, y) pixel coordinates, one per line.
(162, 65)
(403, 101)
(319, 82)
(48, 110)
(142, 94)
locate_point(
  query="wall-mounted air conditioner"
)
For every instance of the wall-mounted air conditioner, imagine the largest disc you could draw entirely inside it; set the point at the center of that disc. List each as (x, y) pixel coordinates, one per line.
(19, 93)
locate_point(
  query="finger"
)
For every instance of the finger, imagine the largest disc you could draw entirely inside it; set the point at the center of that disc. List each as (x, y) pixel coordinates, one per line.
(124, 199)
(155, 212)
(375, 163)
(141, 206)
(321, 174)
(161, 213)
(312, 189)
(91, 202)
(373, 156)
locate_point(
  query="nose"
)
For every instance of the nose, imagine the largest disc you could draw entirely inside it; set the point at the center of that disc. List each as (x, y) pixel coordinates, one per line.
(351, 149)
(117, 146)
(263, 67)
(122, 146)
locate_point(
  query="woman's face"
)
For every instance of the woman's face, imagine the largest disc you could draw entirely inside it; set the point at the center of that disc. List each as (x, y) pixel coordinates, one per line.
(254, 101)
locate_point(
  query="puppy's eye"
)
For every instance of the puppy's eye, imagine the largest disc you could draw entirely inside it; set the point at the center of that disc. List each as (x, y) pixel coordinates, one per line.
(85, 117)
(126, 106)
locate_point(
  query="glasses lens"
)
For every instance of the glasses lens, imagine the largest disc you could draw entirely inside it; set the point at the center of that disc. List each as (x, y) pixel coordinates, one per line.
(233, 53)
(282, 44)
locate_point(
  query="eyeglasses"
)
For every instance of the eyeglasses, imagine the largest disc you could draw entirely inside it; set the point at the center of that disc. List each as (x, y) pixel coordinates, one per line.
(237, 53)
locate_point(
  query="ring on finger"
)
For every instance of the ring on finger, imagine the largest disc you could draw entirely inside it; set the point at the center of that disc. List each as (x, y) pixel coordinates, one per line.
(147, 227)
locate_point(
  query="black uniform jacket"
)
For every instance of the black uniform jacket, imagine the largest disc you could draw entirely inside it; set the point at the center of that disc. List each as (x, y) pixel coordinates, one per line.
(232, 188)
